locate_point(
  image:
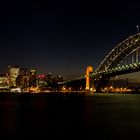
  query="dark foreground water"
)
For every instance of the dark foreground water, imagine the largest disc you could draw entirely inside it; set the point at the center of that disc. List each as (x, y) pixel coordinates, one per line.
(102, 116)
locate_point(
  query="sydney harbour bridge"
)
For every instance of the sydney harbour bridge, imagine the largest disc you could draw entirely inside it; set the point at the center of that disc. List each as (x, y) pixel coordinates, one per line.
(123, 59)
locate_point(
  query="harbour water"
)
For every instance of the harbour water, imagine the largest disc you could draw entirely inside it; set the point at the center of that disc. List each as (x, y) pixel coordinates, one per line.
(63, 116)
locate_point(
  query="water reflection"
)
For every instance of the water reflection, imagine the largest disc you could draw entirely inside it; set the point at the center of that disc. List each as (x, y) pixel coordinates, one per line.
(108, 116)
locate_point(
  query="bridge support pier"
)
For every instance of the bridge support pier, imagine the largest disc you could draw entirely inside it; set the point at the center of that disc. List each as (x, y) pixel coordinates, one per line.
(89, 81)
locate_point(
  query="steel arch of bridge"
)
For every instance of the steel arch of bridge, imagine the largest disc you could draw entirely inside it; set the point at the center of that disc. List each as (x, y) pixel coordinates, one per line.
(120, 52)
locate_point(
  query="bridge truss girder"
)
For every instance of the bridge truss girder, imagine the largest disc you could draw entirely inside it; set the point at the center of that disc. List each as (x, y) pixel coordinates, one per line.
(120, 52)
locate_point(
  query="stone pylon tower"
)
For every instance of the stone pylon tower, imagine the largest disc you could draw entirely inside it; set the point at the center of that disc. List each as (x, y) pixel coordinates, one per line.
(88, 83)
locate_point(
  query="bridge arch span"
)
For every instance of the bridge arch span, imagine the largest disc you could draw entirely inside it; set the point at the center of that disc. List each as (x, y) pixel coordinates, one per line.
(117, 54)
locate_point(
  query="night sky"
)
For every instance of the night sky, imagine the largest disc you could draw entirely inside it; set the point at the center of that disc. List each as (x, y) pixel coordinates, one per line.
(63, 37)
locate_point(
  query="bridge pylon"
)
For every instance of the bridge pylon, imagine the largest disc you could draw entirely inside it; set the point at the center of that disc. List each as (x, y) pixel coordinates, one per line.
(89, 81)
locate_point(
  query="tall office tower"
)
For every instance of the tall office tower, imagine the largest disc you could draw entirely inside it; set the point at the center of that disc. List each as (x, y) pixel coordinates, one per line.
(23, 78)
(32, 78)
(13, 74)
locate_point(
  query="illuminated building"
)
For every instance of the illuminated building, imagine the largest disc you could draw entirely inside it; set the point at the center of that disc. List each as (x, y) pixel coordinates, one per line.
(4, 82)
(32, 78)
(23, 78)
(13, 73)
(54, 83)
(49, 79)
(59, 79)
(41, 80)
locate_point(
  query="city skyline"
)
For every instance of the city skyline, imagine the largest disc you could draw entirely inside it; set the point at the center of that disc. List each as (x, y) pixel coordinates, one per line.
(63, 37)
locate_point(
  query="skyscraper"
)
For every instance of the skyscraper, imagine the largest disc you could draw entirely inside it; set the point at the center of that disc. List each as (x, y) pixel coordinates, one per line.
(13, 73)
(32, 78)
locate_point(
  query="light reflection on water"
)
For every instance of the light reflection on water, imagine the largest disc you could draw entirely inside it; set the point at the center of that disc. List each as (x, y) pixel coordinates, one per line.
(110, 114)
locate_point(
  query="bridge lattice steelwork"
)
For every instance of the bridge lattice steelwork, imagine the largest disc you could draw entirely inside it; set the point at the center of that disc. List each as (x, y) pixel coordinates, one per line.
(120, 52)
